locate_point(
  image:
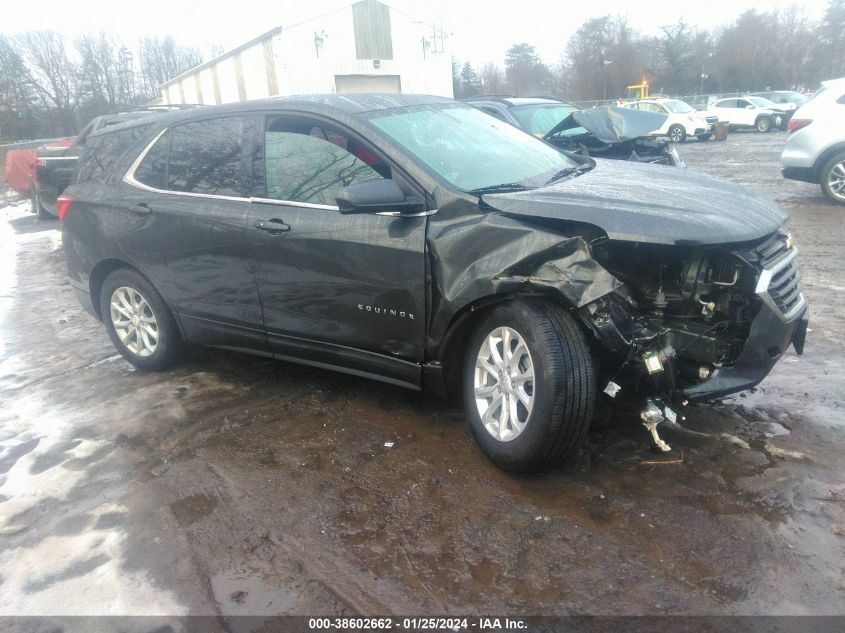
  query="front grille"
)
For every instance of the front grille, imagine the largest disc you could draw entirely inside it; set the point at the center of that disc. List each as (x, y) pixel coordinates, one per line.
(780, 279)
(712, 120)
(772, 250)
(785, 287)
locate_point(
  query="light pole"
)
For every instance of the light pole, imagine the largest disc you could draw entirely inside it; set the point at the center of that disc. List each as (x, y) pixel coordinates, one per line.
(605, 64)
(701, 85)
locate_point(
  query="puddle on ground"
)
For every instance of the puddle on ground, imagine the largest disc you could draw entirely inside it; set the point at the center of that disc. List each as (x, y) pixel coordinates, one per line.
(189, 510)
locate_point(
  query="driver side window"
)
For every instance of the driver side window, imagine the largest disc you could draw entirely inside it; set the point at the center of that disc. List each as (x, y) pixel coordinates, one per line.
(306, 161)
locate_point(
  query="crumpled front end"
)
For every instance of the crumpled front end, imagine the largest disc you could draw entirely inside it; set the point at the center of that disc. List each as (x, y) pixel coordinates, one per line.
(697, 323)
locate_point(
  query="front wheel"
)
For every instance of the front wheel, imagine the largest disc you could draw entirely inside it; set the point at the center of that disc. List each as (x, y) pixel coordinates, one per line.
(138, 321)
(529, 385)
(833, 178)
(677, 134)
(763, 124)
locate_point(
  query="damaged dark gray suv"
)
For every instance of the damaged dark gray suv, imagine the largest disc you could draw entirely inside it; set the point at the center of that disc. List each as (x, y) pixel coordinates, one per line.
(421, 242)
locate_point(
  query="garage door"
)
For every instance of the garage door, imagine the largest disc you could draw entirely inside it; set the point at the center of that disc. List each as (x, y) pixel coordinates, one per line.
(367, 83)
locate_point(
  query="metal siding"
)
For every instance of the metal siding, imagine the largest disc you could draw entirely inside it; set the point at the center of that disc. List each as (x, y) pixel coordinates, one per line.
(215, 80)
(270, 68)
(239, 76)
(371, 24)
(198, 88)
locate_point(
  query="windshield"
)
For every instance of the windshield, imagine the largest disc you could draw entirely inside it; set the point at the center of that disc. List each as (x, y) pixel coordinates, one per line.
(677, 106)
(539, 119)
(469, 149)
(761, 102)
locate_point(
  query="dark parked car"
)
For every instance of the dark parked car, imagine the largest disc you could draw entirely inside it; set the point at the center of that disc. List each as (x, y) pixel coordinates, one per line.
(602, 132)
(55, 167)
(418, 241)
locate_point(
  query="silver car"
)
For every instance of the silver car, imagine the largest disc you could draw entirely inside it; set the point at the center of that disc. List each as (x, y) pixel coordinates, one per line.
(815, 150)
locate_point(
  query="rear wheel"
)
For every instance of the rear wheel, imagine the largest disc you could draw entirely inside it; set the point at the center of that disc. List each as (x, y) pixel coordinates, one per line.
(138, 321)
(763, 124)
(677, 134)
(38, 208)
(832, 178)
(529, 387)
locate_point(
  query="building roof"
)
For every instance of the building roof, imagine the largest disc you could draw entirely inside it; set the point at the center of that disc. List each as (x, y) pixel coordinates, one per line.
(256, 40)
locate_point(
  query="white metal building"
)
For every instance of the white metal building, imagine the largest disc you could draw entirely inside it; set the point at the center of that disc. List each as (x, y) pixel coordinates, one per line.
(367, 46)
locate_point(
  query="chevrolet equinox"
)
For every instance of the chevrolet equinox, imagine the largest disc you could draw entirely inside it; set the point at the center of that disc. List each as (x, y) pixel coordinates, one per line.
(422, 242)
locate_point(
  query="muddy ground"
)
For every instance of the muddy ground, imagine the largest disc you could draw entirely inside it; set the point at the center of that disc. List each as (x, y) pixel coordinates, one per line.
(237, 485)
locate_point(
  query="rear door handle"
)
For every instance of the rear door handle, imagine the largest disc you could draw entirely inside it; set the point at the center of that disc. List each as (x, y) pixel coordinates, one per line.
(273, 226)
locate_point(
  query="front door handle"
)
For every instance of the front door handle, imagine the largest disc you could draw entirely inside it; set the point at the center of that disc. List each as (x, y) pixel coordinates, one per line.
(141, 208)
(273, 226)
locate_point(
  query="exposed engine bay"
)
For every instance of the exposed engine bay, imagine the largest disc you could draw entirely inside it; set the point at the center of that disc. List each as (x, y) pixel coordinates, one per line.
(688, 309)
(682, 315)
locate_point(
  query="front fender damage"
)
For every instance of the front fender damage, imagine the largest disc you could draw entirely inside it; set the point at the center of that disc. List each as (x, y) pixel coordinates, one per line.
(477, 259)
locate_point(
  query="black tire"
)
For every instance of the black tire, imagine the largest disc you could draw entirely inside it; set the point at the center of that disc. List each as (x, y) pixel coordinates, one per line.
(564, 386)
(829, 180)
(169, 348)
(677, 133)
(38, 208)
(705, 137)
(763, 124)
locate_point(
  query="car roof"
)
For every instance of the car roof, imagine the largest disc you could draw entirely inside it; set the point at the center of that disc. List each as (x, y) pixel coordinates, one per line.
(349, 104)
(834, 84)
(515, 101)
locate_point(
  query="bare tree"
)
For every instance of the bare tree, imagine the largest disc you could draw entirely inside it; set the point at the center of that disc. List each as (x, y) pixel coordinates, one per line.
(162, 59)
(492, 79)
(17, 98)
(54, 76)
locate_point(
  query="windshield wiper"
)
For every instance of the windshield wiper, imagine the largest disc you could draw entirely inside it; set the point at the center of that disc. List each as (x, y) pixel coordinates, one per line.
(502, 188)
(569, 171)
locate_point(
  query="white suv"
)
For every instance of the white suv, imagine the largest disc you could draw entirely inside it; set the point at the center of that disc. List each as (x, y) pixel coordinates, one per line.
(682, 119)
(815, 150)
(743, 112)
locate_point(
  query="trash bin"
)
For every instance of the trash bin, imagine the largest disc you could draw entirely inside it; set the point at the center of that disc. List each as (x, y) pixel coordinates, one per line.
(720, 131)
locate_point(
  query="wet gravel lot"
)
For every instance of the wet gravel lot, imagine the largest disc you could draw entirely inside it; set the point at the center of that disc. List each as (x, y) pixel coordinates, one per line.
(237, 485)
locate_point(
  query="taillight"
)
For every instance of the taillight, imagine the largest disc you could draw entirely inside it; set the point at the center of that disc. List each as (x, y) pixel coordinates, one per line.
(797, 124)
(63, 204)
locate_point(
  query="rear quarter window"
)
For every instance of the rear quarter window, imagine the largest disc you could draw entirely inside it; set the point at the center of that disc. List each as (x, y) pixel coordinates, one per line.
(101, 152)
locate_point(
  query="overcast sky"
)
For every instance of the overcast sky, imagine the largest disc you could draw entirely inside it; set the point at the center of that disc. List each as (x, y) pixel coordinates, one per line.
(482, 30)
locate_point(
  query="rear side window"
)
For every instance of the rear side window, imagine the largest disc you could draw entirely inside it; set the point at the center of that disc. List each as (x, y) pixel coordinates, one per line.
(205, 157)
(153, 169)
(101, 152)
(202, 157)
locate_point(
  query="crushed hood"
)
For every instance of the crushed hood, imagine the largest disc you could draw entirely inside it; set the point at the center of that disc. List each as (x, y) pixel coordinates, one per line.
(611, 124)
(650, 203)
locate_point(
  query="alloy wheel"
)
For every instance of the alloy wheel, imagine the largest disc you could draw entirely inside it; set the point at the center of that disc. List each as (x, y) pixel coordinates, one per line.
(836, 180)
(134, 321)
(504, 384)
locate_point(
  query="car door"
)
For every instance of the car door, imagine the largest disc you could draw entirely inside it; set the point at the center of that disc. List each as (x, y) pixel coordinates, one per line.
(188, 194)
(659, 109)
(746, 112)
(726, 111)
(347, 291)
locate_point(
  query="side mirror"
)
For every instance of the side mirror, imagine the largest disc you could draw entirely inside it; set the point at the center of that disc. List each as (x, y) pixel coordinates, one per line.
(377, 196)
(749, 107)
